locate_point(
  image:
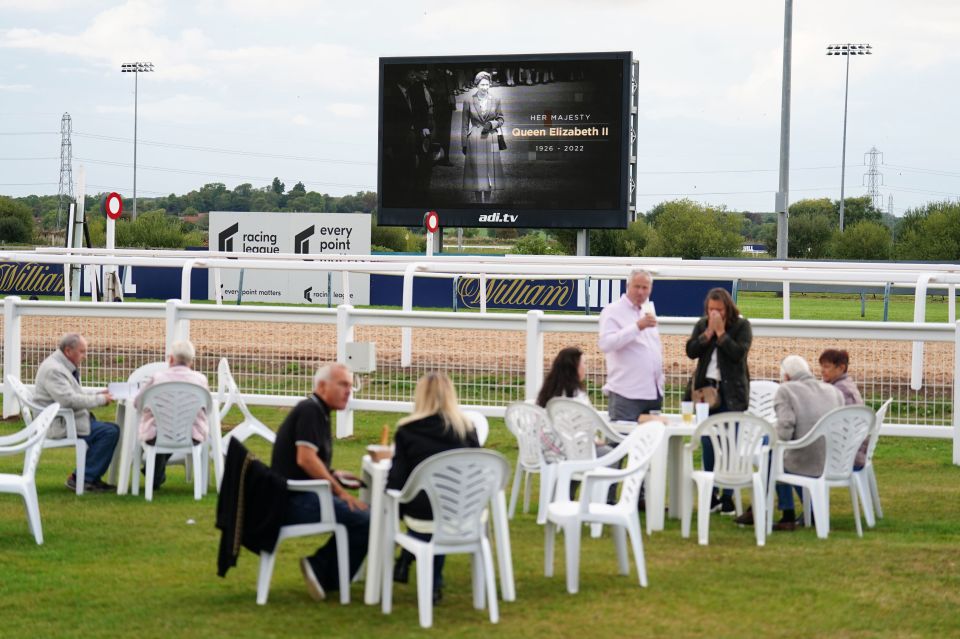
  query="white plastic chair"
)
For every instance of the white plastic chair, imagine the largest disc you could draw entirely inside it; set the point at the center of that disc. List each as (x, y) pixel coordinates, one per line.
(843, 430)
(577, 426)
(327, 524)
(28, 441)
(866, 478)
(761, 399)
(460, 484)
(175, 406)
(480, 424)
(29, 407)
(639, 447)
(736, 438)
(527, 422)
(228, 396)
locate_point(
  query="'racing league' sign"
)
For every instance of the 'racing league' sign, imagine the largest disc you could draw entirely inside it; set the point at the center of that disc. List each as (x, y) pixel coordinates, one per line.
(252, 234)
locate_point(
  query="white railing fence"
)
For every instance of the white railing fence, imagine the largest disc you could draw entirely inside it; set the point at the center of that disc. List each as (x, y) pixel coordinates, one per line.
(493, 358)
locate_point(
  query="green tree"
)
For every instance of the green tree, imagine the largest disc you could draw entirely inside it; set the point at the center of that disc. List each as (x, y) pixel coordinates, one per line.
(16, 221)
(298, 190)
(277, 186)
(864, 240)
(533, 244)
(691, 230)
(931, 232)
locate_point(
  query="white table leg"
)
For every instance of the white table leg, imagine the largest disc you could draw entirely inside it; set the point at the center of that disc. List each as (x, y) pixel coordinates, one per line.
(375, 476)
(127, 445)
(656, 487)
(675, 475)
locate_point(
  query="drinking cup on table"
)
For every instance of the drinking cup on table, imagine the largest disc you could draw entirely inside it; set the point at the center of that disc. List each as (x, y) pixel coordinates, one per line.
(703, 411)
(379, 452)
(686, 410)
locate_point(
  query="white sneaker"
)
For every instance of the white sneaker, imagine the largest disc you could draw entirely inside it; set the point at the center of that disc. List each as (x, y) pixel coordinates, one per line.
(313, 584)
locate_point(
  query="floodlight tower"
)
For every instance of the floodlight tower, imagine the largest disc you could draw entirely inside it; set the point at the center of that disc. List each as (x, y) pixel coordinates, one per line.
(846, 50)
(136, 68)
(66, 165)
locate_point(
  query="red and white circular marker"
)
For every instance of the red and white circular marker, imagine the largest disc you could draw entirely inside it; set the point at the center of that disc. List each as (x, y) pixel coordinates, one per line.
(113, 206)
(431, 221)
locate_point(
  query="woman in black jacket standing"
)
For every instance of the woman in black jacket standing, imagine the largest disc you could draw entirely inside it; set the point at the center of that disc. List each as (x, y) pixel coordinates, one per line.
(720, 343)
(436, 425)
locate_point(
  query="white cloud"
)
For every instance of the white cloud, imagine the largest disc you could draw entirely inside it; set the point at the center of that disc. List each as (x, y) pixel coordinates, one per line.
(17, 88)
(349, 110)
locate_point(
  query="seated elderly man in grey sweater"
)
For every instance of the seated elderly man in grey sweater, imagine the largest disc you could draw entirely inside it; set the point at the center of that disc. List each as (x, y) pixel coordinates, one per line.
(799, 403)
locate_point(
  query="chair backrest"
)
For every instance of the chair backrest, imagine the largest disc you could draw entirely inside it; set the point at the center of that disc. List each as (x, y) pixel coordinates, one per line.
(843, 429)
(576, 425)
(40, 425)
(527, 423)
(875, 432)
(30, 440)
(480, 424)
(228, 393)
(24, 398)
(145, 372)
(736, 440)
(459, 484)
(175, 406)
(761, 399)
(642, 443)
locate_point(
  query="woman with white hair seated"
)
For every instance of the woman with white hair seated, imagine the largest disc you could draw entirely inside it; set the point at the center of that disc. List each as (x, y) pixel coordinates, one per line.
(180, 360)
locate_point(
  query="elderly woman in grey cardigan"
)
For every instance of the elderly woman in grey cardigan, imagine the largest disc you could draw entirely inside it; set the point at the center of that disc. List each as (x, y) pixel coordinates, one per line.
(799, 403)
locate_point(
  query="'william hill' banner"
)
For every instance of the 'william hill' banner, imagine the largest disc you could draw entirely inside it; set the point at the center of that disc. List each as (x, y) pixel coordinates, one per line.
(673, 298)
(31, 279)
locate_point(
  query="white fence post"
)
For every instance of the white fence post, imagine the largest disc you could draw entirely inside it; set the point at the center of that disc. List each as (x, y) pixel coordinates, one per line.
(406, 333)
(786, 300)
(956, 394)
(177, 329)
(534, 361)
(919, 316)
(344, 335)
(11, 353)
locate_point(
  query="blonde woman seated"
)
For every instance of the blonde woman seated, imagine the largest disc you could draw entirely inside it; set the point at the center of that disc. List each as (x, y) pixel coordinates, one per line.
(436, 425)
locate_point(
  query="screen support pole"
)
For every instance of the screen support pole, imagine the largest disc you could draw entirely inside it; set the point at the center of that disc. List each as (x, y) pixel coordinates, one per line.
(583, 242)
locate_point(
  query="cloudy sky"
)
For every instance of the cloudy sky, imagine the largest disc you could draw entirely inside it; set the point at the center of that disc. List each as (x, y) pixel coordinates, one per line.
(245, 90)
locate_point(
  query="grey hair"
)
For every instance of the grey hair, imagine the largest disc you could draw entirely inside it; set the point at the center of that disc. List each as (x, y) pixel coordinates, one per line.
(326, 370)
(483, 75)
(794, 366)
(183, 352)
(69, 340)
(640, 271)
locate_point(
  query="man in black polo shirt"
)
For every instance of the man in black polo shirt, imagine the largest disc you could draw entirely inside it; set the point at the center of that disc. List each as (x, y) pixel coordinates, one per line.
(304, 450)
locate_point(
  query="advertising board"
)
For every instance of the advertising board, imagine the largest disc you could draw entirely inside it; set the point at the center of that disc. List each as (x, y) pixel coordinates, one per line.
(299, 233)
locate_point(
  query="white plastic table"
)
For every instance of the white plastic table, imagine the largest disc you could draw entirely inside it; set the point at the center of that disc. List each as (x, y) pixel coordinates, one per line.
(666, 468)
(375, 477)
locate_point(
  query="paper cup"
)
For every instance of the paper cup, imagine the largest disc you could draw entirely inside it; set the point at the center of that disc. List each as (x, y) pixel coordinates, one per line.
(379, 452)
(703, 411)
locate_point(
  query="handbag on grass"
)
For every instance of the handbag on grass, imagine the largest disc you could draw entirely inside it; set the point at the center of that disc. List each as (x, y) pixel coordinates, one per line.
(708, 395)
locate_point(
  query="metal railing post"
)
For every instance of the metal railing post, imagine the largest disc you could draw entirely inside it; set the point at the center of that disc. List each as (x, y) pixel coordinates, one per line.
(11, 353)
(344, 335)
(956, 394)
(534, 358)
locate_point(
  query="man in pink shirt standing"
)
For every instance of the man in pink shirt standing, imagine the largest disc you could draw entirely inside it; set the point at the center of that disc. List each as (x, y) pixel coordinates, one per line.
(181, 358)
(631, 343)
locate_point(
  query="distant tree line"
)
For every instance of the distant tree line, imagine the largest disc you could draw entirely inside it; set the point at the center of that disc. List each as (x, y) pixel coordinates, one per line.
(675, 228)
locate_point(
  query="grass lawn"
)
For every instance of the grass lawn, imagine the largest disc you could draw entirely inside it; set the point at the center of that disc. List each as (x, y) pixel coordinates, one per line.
(837, 306)
(115, 566)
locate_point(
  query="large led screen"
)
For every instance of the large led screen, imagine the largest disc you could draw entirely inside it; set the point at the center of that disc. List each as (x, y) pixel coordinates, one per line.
(516, 141)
